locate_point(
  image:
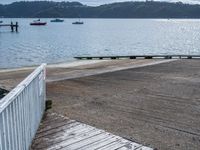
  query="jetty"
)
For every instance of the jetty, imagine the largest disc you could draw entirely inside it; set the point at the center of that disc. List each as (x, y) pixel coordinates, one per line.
(141, 56)
(13, 27)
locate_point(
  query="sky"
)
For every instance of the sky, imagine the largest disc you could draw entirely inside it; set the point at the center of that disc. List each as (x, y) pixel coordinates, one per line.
(99, 2)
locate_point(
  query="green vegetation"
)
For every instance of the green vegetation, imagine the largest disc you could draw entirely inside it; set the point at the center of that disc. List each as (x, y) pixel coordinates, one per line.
(149, 9)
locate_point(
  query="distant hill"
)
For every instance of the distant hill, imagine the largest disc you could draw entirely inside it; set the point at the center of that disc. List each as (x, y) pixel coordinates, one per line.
(149, 9)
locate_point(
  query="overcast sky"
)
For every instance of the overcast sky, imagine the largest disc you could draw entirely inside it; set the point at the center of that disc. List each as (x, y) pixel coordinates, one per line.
(99, 2)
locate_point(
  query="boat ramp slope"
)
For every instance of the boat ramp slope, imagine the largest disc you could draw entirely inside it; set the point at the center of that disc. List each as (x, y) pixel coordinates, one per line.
(155, 104)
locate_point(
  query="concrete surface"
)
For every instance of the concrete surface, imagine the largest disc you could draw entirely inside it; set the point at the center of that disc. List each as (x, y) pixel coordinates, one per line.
(154, 105)
(9, 78)
(157, 106)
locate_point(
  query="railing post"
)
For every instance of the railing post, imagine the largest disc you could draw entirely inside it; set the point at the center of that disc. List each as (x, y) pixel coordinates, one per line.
(2, 134)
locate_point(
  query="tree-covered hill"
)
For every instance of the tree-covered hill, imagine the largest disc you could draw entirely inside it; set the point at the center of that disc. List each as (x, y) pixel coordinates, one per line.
(149, 9)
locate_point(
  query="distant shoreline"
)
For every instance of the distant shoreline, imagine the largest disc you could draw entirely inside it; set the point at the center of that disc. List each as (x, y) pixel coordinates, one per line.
(131, 9)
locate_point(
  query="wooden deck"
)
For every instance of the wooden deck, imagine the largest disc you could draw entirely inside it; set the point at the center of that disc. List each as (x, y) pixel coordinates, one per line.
(57, 132)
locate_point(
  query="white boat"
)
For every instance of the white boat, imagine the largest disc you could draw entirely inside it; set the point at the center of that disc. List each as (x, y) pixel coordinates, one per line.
(38, 23)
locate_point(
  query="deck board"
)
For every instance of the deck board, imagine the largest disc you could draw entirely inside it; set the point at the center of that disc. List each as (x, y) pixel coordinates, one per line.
(60, 133)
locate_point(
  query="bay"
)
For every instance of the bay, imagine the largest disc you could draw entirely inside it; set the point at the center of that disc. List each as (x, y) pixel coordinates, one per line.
(60, 42)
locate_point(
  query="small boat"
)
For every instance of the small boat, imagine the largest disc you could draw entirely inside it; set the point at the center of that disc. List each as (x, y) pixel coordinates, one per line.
(1, 21)
(38, 23)
(78, 22)
(57, 20)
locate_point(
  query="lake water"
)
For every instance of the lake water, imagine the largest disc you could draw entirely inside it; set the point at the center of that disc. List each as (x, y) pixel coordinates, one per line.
(59, 42)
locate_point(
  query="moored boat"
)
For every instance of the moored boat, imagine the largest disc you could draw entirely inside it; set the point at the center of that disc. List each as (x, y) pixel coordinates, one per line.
(57, 20)
(38, 23)
(78, 22)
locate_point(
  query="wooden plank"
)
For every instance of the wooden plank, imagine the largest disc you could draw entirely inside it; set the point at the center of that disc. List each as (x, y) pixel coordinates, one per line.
(55, 125)
(58, 135)
(112, 146)
(99, 143)
(57, 130)
(136, 148)
(85, 142)
(75, 139)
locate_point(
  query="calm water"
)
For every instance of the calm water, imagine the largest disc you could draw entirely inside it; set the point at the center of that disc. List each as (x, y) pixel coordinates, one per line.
(58, 42)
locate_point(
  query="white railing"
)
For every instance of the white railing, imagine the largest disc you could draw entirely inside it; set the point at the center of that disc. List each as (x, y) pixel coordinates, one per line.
(21, 112)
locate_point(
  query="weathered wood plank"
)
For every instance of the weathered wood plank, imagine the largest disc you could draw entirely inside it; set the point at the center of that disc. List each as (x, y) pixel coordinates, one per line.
(61, 137)
(63, 134)
(57, 130)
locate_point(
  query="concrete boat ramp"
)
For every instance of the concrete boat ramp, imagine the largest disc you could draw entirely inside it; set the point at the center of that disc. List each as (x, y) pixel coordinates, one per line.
(155, 105)
(60, 133)
(148, 102)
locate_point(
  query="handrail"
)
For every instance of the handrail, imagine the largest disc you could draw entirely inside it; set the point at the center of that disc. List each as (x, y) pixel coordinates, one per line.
(21, 111)
(15, 92)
